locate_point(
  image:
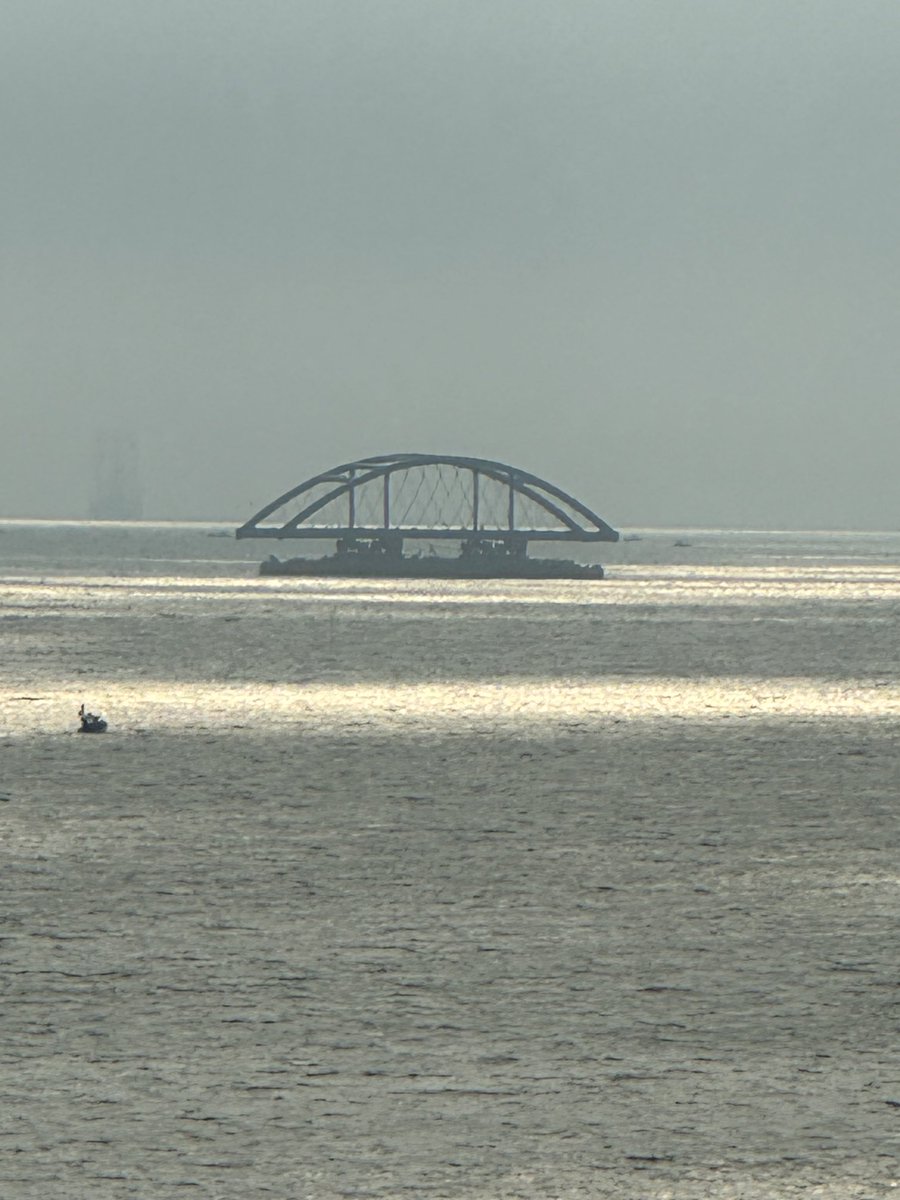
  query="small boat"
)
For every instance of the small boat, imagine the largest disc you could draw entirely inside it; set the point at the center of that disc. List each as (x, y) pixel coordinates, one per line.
(90, 722)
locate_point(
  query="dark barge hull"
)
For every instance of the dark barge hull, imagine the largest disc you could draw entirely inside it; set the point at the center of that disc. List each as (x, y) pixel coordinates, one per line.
(351, 566)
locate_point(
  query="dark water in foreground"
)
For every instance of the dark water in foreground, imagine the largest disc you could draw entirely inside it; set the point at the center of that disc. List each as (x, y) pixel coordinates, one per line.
(480, 890)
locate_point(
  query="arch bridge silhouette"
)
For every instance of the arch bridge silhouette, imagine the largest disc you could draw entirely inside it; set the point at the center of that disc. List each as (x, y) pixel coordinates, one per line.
(377, 503)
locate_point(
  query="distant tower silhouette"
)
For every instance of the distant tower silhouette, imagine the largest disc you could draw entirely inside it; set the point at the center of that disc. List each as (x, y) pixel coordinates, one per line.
(116, 493)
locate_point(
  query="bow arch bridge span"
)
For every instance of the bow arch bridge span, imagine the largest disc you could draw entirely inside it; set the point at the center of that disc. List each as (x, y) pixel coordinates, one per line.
(371, 507)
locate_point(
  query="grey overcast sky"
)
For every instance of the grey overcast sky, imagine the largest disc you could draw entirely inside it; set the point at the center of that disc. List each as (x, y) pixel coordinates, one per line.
(647, 249)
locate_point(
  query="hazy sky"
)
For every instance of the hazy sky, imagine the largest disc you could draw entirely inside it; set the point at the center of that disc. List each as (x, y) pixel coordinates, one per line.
(646, 248)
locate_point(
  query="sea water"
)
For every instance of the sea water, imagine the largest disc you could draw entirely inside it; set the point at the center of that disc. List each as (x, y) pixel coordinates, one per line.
(451, 889)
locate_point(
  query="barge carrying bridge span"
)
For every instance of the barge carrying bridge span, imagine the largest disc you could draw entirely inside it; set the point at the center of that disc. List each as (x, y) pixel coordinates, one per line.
(372, 506)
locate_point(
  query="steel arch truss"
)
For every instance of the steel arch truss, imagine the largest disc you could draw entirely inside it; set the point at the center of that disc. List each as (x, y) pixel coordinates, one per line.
(360, 500)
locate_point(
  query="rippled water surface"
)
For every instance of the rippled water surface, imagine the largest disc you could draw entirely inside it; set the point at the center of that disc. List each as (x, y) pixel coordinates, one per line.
(470, 889)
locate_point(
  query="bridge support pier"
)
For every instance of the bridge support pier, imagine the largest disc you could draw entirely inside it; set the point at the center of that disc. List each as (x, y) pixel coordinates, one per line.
(387, 545)
(505, 546)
